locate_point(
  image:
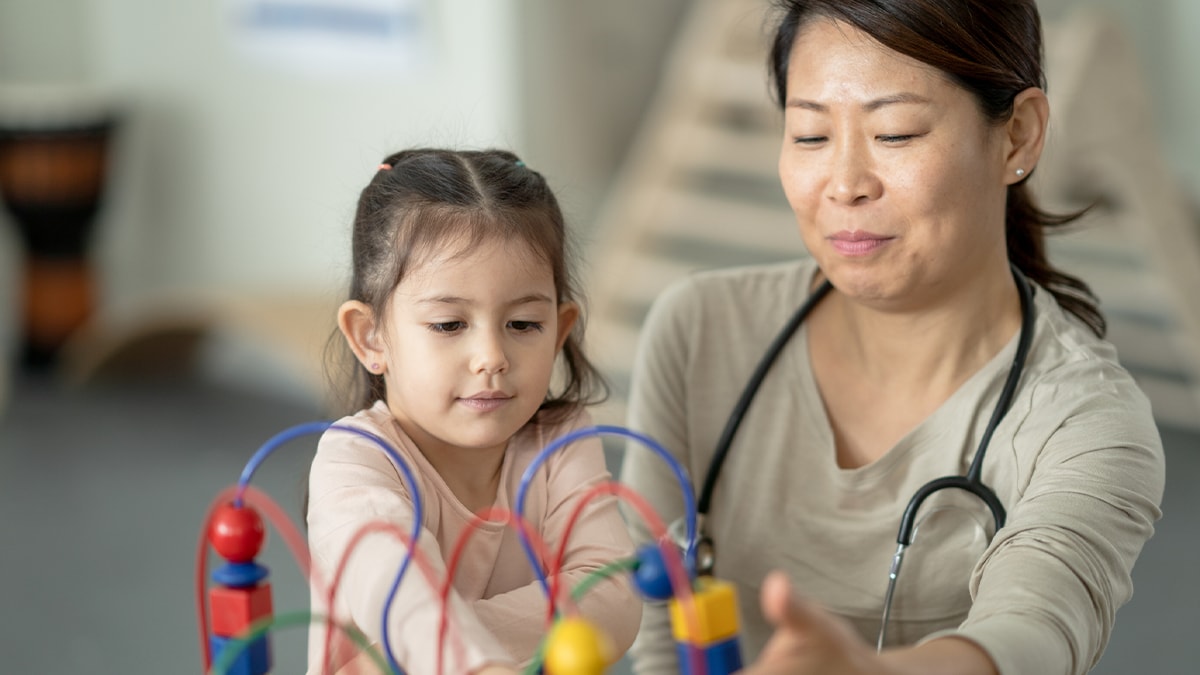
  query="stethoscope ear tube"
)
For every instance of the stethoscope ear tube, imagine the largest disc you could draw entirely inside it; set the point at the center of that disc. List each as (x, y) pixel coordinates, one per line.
(747, 397)
(909, 519)
(971, 481)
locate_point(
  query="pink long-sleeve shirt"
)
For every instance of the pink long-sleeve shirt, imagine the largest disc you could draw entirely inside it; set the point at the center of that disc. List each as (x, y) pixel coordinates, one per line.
(498, 608)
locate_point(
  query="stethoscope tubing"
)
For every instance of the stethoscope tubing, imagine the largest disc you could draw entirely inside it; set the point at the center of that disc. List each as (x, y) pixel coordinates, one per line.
(971, 481)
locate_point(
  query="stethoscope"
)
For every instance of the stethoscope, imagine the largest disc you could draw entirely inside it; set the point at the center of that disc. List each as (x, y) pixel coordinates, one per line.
(704, 556)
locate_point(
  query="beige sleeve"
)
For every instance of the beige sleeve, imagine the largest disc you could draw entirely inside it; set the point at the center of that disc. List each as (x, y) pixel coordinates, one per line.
(658, 408)
(598, 537)
(1047, 590)
(354, 484)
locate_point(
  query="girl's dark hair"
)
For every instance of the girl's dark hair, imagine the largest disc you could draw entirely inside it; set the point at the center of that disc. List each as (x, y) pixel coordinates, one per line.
(993, 49)
(422, 200)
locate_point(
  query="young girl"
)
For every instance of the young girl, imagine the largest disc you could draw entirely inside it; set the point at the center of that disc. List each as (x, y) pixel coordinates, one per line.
(460, 304)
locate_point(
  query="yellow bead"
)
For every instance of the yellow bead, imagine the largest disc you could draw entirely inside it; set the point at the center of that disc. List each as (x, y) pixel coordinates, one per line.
(716, 613)
(576, 647)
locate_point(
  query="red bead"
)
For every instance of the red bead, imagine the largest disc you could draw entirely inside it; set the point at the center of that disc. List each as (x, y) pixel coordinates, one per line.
(237, 532)
(233, 610)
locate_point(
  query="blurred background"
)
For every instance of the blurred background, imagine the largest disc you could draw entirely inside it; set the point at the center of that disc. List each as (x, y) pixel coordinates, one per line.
(177, 182)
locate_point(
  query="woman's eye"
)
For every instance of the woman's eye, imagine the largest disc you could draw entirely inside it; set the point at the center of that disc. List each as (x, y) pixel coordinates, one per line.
(808, 140)
(896, 139)
(447, 326)
(525, 326)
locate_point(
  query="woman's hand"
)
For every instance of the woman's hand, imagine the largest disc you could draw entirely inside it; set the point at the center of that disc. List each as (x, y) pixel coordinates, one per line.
(810, 640)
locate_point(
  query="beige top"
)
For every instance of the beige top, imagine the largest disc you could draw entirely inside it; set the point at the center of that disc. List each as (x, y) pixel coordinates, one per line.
(498, 608)
(1077, 462)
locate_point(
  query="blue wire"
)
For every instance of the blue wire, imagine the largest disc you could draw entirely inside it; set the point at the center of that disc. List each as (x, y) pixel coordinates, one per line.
(418, 513)
(270, 446)
(689, 497)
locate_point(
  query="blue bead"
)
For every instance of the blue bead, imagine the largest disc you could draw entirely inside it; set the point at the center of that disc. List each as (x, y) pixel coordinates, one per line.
(651, 576)
(720, 658)
(253, 659)
(239, 575)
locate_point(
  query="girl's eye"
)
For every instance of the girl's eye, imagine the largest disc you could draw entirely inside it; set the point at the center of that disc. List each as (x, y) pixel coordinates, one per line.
(447, 326)
(526, 326)
(808, 140)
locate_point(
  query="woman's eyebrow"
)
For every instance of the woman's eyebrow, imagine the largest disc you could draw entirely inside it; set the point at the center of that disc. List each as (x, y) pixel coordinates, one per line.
(869, 106)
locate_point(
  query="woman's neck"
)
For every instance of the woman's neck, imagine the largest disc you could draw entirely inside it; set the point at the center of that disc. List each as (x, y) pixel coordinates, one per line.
(932, 348)
(881, 373)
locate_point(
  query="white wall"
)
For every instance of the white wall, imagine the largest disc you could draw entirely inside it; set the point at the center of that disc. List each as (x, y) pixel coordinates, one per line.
(587, 73)
(236, 174)
(1164, 33)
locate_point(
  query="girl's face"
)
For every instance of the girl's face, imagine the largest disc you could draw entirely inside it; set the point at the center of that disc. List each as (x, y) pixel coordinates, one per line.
(470, 341)
(897, 181)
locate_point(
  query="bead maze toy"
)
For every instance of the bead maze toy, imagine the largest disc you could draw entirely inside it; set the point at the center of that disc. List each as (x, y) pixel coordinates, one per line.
(236, 621)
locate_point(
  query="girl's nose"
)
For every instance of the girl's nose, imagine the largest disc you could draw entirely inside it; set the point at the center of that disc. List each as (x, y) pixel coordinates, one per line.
(489, 356)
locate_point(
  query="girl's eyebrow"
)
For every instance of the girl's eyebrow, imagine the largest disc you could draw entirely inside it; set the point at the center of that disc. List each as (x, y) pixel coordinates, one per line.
(455, 300)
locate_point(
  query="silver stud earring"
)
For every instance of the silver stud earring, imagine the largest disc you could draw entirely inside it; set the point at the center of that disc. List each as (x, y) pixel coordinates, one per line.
(1020, 172)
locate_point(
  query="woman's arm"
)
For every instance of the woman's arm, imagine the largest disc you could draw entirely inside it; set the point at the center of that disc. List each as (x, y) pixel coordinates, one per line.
(1046, 592)
(810, 641)
(658, 408)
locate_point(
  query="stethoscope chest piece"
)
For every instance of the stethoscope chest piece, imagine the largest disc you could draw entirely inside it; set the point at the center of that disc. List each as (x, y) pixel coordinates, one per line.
(703, 557)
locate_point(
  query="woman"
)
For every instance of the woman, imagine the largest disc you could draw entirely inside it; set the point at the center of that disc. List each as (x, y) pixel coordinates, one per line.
(910, 128)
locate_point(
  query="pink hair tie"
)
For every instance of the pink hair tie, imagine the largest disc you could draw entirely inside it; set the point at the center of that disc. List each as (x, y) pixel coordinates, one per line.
(385, 167)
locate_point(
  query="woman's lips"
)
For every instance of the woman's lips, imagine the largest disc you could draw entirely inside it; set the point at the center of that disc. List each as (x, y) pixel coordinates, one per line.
(858, 242)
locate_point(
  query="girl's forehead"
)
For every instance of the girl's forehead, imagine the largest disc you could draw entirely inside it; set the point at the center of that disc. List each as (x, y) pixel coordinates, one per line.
(464, 251)
(488, 261)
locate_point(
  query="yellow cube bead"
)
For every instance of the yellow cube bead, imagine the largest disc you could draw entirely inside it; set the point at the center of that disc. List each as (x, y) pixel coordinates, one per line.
(716, 613)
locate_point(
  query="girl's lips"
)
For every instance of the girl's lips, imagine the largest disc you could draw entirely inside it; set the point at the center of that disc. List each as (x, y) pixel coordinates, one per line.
(486, 402)
(858, 243)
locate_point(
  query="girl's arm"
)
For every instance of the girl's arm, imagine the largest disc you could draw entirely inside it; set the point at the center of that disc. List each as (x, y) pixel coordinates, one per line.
(597, 538)
(353, 484)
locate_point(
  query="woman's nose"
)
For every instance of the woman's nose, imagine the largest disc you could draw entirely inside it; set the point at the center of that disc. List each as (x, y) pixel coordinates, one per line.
(852, 178)
(489, 355)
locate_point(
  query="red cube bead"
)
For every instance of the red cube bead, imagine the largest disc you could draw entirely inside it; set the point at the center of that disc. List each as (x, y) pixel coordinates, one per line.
(234, 609)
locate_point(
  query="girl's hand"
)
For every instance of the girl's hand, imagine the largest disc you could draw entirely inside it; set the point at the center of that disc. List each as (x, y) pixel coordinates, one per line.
(809, 640)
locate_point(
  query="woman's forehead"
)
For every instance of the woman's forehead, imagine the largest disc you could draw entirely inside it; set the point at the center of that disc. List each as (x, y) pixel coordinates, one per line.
(835, 60)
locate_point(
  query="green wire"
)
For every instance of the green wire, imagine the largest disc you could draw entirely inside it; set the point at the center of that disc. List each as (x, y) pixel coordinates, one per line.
(302, 618)
(609, 570)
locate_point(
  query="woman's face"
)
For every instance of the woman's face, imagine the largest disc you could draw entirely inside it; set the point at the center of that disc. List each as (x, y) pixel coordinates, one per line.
(897, 181)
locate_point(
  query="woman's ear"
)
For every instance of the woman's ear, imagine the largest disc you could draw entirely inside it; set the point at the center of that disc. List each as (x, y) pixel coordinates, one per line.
(1026, 133)
(568, 314)
(356, 320)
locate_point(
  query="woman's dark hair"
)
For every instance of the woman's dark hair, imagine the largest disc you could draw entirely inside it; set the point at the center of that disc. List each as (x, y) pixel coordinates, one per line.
(421, 201)
(993, 49)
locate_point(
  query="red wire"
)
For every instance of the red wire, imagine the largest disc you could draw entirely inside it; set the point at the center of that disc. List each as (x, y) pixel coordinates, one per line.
(492, 514)
(415, 553)
(676, 572)
(283, 525)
